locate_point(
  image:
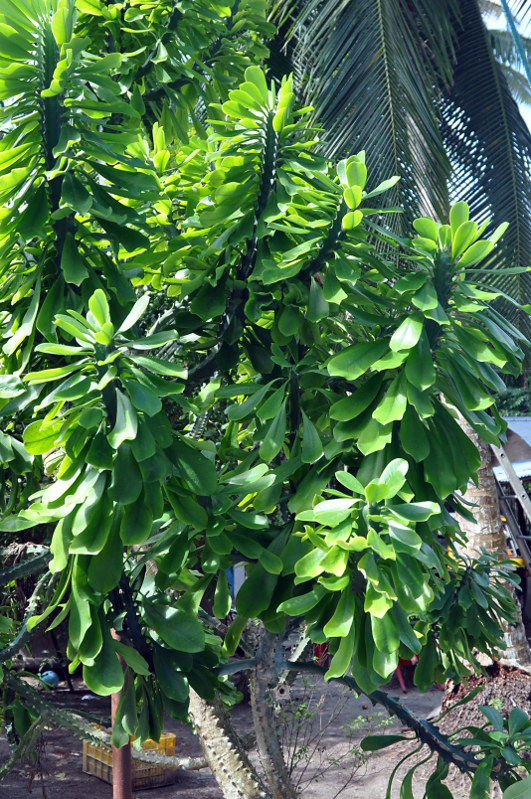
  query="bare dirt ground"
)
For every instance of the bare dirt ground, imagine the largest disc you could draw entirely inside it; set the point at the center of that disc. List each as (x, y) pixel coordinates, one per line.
(337, 720)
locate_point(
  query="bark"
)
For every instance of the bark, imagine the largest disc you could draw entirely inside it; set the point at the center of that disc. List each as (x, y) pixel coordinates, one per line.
(223, 751)
(486, 532)
(269, 748)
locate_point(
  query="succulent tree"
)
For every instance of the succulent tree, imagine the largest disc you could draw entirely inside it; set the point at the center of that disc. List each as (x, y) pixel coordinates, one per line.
(211, 357)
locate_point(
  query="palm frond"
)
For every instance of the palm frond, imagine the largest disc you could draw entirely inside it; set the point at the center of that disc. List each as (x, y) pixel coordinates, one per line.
(490, 148)
(521, 9)
(518, 84)
(505, 50)
(373, 71)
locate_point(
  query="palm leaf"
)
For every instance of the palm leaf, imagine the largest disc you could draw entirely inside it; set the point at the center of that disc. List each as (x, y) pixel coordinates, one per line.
(373, 71)
(508, 54)
(519, 85)
(490, 148)
(521, 9)
(505, 50)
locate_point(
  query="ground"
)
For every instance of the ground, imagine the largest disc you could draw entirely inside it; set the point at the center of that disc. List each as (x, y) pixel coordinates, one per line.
(338, 722)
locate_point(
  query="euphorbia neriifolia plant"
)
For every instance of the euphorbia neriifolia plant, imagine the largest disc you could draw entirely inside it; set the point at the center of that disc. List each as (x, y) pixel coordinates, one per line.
(214, 353)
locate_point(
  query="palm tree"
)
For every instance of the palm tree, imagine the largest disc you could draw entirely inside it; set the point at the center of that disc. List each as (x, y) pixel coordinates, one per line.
(425, 89)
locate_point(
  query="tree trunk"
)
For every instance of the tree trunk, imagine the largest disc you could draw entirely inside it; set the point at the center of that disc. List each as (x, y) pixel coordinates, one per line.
(224, 753)
(223, 750)
(486, 532)
(269, 749)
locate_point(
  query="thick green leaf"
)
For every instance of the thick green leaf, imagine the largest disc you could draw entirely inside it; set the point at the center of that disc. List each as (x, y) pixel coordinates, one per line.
(349, 407)
(196, 470)
(92, 522)
(408, 333)
(80, 618)
(159, 367)
(349, 481)
(406, 788)
(318, 307)
(493, 715)
(271, 562)
(41, 437)
(342, 619)
(142, 398)
(354, 361)
(463, 237)
(126, 423)
(246, 408)
(99, 307)
(222, 597)
(233, 635)
(425, 668)
(126, 482)
(274, 437)
(373, 743)
(105, 568)
(125, 718)
(393, 405)
(330, 512)
(426, 227)
(75, 194)
(11, 386)
(72, 266)
(137, 521)
(356, 172)
(385, 632)
(132, 658)
(476, 253)
(414, 436)
(105, 676)
(301, 604)
(518, 790)
(419, 365)
(136, 312)
(481, 780)
(256, 592)
(415, 511)
(272, 405)
(187, 509)
(374, 437)
(459, 213)
(176, 628)
(342, 658)
(312, 448)
(172, 682)
(12, 43)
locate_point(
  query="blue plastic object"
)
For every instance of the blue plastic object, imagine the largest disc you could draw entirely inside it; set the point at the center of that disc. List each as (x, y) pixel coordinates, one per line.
(50, 678)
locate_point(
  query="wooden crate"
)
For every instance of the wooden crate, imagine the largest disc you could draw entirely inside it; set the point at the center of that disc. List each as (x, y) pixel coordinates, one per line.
(97, 760)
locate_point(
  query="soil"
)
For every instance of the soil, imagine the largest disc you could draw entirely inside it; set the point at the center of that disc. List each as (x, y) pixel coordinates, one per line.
(507, 687)
(336, 719)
